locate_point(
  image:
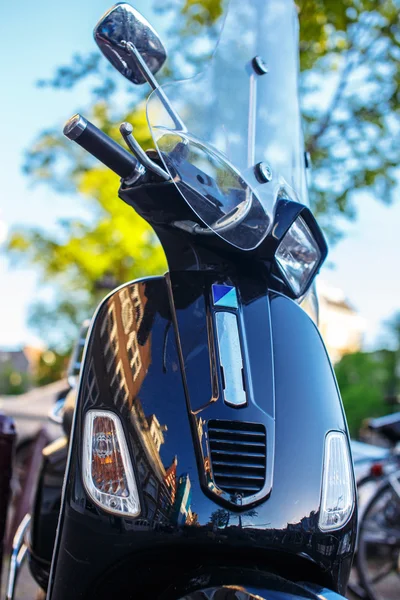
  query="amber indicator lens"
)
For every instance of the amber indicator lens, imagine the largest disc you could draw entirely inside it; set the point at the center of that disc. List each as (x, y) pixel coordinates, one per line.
(107, 468)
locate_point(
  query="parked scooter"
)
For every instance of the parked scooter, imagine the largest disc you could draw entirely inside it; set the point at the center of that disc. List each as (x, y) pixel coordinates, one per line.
(47, 501)
(209, 455)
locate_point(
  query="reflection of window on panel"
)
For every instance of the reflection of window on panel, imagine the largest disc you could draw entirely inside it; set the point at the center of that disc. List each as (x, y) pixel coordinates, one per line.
(142, 471)
(114, 389)
(92, 389)
(164, 501)
(109, 362)
(108, 357)
(152, 488)
(124, 295)
(156, 439)
(109, 322)
(118, 374)
(118, 386)
(110, 352)
(137, 303)
(94, 392)
(114, 344)
(112, 327)
(151, 509)
(104, 324)
(123, 395)
(111, 318)
(126, 310)
(325, 549)
(132, 348)
(90, 375)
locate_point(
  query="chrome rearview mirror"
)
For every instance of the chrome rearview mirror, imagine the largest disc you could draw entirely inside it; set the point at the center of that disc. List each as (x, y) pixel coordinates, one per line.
(122, 25)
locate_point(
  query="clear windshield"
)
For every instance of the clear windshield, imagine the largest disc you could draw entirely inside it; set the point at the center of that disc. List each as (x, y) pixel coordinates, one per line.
(213, 129)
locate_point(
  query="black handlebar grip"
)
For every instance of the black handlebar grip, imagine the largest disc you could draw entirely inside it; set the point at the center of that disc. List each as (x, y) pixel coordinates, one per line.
(100, 145)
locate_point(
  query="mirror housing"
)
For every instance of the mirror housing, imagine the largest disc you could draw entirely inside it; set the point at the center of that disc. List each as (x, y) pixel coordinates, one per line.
(123, 23)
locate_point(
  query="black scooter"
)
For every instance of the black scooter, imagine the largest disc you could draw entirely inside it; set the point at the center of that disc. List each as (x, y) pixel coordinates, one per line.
(209, 454)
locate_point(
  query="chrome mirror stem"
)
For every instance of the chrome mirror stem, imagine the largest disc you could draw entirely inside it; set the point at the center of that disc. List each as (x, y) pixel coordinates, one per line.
(152, 81)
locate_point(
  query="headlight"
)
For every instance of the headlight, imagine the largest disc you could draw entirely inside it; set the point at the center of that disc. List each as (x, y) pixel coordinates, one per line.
(107, 470)
(298, 257)
(337, 498)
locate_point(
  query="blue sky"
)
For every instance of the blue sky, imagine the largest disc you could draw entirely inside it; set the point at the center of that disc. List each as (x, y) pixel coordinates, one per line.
(36, 38)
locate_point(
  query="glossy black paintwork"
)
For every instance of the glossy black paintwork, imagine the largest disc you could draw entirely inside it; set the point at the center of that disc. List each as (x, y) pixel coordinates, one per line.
(260, 586)
(293, 392)
(195, 331)
(161, 206)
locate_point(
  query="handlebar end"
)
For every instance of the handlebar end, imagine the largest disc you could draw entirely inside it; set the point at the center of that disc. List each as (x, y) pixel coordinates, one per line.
(75, 126)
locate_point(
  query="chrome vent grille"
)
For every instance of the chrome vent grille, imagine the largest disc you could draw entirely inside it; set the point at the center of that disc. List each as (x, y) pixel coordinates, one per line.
(238, 456)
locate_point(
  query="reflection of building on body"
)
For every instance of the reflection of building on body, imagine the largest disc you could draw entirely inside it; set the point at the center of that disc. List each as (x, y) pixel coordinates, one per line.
(183, 500)
(126, 359)
(132, 307)
(126, 363)
(91, 388)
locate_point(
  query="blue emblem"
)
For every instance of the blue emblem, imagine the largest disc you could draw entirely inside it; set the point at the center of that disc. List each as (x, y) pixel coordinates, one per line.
(224, 296)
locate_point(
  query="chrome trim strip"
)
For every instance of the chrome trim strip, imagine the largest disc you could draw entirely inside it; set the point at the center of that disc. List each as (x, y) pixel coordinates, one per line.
(230, 358)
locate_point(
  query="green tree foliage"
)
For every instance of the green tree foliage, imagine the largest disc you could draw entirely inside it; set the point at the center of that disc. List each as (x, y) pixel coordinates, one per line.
(349, 53)
(369, 383)
(51, 366)
(117, 244)
(354, 44)
(12, 382)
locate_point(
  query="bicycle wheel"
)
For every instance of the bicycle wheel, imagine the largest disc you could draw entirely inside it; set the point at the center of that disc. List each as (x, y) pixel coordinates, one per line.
(378, 557)
(366, 487)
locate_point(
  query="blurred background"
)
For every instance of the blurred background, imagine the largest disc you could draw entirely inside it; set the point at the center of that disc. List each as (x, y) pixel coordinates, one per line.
(66, 239)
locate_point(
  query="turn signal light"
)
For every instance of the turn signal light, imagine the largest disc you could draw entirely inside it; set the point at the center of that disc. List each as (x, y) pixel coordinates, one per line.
(107, 469)
(338, 497)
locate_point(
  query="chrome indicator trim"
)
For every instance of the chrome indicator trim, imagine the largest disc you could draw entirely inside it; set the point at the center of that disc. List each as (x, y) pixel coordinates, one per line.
(230, 358)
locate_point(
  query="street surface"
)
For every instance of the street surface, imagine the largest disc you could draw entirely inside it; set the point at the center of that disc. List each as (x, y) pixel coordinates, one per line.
(30, 411)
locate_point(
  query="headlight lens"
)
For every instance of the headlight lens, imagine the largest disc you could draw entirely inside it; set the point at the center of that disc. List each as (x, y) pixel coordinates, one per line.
(107, 469)
(298, 256)
(337, 499)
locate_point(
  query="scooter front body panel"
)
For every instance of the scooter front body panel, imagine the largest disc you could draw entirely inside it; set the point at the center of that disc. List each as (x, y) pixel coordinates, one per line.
(153, 359)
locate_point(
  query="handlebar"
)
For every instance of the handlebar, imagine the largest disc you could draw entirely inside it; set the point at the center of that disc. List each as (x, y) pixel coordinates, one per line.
(100, 145)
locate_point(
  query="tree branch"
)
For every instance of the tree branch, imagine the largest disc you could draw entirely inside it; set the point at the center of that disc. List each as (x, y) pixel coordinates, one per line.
(327, 119)
(350, 64)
